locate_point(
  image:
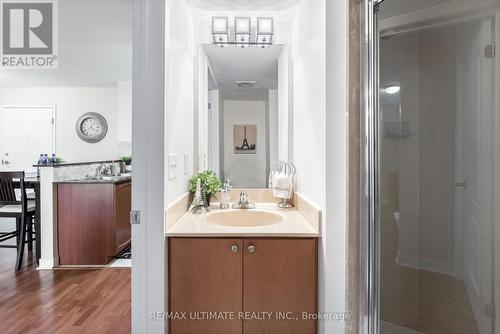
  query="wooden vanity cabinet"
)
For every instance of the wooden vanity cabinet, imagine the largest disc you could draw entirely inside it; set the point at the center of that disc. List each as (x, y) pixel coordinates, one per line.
(92, 222)
(273, 275)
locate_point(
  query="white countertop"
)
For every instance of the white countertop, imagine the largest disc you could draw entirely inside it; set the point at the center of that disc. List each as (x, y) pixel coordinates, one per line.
(196, 225)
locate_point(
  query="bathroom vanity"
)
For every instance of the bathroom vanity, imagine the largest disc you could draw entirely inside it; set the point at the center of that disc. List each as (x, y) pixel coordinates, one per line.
(243, 271)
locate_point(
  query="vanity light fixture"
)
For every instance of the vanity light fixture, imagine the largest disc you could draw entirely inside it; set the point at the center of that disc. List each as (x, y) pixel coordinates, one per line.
(265, 31)
(220, 30)
(242, 31)
(392, 89)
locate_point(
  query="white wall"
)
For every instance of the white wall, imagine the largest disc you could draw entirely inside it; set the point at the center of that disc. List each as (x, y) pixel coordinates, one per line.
(273, 125)
(245, 170)
(180, 94)
(284, 105)
(335, 216)
(202, 109)
(213, 132)
(319, 107)
(113, 102)
(124, 118)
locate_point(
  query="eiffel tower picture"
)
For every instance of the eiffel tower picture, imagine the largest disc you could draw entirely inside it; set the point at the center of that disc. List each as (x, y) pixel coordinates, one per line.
(245, 138)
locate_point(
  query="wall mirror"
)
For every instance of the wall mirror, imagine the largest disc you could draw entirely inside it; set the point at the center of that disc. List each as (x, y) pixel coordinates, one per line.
(248, 119)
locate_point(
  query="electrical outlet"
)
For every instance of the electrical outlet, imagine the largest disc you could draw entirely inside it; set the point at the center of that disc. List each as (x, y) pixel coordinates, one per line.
(173, 163)
(186, 164)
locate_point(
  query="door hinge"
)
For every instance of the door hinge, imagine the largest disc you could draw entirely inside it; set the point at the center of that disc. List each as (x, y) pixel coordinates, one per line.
(490, 310)
(135, 217)
(490, 51)
(53, 120)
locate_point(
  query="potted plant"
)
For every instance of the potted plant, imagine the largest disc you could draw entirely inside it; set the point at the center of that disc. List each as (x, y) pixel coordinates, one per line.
(128, 163)
(210, 184)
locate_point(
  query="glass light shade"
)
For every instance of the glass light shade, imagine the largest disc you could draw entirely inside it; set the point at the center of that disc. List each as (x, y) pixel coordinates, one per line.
(220, 25)
(264, 26)
(242, 25)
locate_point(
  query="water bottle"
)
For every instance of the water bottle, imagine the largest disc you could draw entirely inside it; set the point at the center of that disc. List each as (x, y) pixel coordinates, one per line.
(45, 159)
(53, 160)
(40, 159)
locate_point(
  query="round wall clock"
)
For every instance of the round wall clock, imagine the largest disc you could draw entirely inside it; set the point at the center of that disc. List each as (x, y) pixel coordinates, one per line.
(91, 127)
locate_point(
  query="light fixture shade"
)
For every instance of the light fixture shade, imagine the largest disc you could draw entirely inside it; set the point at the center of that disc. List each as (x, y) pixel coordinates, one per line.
(265, 26)
(265, 30)
(242, 31)
(220, 30)
(220, 25)
(242, 25)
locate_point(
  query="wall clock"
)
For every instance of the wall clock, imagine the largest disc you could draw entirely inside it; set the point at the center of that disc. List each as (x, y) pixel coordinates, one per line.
(91, 127)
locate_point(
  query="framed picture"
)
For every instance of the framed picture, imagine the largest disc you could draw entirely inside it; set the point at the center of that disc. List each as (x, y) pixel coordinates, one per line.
(245, 138)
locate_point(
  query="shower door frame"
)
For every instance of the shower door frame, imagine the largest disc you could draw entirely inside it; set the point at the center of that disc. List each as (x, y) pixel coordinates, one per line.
(369, 248)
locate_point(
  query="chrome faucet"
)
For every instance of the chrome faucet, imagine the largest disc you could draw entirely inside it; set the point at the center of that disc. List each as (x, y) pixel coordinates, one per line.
(243, 203)
(103, 169)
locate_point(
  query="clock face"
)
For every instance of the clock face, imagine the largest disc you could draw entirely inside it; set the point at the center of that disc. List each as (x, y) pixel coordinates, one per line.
(91, 127)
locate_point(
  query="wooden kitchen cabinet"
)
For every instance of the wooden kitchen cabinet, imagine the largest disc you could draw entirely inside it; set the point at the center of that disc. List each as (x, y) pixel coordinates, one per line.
(92, 222)
(272, 275)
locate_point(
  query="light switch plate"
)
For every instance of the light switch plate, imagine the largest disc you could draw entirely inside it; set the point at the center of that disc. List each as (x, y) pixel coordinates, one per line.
(186, 164)
(173, 165)
(202, 161)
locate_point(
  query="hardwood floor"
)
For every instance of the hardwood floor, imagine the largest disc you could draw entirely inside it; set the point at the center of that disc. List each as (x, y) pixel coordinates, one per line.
(62, 301)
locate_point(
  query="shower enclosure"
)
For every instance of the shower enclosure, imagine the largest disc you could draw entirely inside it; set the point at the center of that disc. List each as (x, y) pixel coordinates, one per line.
(432, 166)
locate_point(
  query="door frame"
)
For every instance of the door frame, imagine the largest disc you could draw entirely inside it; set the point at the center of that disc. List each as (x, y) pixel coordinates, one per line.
(148, 184)
(53, 107)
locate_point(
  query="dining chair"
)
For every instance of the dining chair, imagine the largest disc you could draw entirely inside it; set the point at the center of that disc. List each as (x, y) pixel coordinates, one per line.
(18, 208)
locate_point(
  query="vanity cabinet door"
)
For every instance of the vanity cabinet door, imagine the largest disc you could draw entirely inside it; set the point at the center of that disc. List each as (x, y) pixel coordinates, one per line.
(279, 276)
(205, 275)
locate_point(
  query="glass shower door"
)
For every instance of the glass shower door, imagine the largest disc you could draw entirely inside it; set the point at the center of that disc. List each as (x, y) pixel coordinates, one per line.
(437, 169)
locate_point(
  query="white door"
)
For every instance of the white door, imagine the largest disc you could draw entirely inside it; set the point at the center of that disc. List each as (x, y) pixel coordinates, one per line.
(474, 169)
(25, 133)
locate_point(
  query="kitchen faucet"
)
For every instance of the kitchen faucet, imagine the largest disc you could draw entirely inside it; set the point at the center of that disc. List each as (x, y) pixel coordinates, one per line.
(103, 169)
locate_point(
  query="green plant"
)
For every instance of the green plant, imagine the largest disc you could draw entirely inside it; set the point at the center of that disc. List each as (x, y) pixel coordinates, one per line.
(127, 160)
(210, 183)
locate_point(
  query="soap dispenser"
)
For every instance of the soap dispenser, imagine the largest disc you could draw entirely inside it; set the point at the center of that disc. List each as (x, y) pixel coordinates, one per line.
(225, 195)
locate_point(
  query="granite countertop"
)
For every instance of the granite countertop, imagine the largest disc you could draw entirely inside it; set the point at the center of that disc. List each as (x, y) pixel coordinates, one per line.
(67, 164)
(293, 224)
(92, 180)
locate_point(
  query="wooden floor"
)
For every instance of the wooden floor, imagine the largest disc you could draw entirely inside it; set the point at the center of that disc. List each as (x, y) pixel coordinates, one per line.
(62, 301)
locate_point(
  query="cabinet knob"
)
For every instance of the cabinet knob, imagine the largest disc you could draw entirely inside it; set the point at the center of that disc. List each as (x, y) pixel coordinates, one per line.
(234, 248)
(251, 249)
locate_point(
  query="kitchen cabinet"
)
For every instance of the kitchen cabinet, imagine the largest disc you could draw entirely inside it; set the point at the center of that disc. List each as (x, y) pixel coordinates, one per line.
(251, 286)
(92, 221)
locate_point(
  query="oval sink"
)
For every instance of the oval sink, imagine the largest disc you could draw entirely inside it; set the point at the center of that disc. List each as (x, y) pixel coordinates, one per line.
(244, 218)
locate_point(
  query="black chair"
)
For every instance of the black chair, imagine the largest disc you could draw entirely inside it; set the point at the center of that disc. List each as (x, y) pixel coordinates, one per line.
(21, 209)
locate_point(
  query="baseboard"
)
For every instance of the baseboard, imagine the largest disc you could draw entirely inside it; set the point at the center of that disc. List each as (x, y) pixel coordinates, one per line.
(440, 267)
(45, 264)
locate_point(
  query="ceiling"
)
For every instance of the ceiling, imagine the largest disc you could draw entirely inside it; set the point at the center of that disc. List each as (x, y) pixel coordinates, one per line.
(95, 47)
(391, 8)
(250, 64)
(243, 4)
